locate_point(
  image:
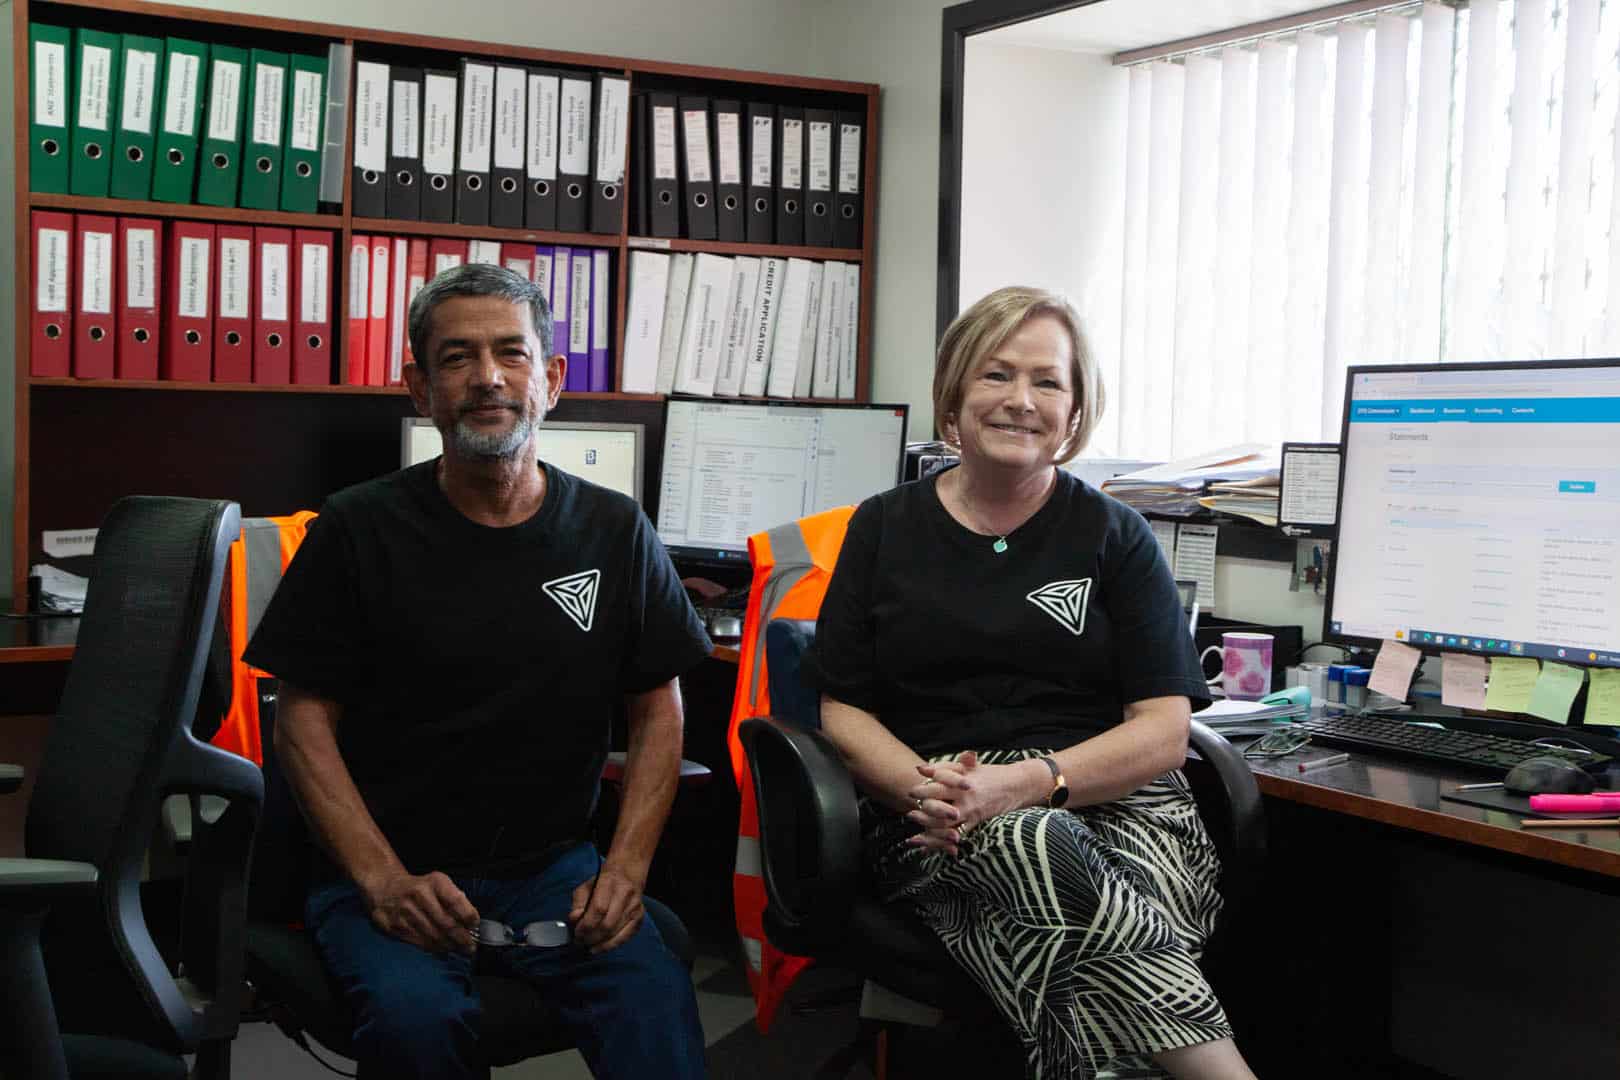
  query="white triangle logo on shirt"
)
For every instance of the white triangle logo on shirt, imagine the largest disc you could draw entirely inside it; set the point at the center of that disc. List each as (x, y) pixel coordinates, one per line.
(1065, 601)
(576, 595)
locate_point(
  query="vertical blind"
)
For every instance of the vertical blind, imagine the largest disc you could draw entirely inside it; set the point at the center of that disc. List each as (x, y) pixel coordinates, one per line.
(1433, 183)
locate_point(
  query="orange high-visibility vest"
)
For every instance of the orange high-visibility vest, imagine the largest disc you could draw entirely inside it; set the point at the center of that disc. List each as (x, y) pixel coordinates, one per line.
(258, 559)
(792, 565)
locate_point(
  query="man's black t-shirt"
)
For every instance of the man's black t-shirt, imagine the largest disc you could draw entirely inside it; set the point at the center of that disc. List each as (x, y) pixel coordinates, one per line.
(478, 668)
(954, 646)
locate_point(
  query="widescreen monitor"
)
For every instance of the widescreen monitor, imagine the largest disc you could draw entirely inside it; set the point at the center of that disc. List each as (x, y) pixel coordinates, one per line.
(1479, 510)
(606, 454)
(735, 468)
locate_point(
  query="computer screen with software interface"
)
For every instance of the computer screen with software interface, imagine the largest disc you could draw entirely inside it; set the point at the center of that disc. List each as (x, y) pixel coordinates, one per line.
(1479, 510)
(608, 454)
(735, 468)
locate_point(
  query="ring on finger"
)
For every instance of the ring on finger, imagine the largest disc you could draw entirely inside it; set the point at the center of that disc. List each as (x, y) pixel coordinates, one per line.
(919, 802)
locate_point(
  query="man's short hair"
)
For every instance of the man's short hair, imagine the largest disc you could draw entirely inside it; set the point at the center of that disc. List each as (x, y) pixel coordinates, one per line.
(477, 279)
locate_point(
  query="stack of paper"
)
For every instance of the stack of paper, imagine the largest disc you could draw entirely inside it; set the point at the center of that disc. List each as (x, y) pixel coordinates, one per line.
(1245, 475)
(1228, 713)
(60, 591)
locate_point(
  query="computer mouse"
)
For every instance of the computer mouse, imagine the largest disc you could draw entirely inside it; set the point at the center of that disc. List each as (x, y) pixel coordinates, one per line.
(1548, 776)
(730, 626)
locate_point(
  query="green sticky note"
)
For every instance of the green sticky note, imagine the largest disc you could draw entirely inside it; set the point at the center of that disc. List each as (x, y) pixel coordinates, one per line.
(1555, 692)
(1513, 680)
(1603, 698)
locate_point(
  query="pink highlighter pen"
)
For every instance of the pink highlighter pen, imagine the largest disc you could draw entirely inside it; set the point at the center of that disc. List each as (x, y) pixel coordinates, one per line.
(1598, 802)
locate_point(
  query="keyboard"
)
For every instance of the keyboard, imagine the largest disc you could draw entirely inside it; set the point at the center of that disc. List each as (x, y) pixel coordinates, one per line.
(1492, 753)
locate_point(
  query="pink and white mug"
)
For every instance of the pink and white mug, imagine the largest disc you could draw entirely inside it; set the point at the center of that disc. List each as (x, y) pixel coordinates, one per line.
(1245, 665)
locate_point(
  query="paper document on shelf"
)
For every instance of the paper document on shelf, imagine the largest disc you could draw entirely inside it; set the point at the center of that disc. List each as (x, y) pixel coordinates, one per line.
(1195, 560)
(1392, 671)
(1175, 470)
(1513, 680)
(58, 589)
(1462, 681)
(1603, 698)
(1555, 691)
(67, 543)
(1165, 533)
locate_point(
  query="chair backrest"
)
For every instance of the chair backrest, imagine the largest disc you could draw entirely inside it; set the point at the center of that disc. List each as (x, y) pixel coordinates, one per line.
(785, 643)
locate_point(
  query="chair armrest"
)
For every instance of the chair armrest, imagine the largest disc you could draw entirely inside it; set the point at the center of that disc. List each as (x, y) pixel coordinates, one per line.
(35, 884)
(11, 778)
(809, 826)
(1229, 802)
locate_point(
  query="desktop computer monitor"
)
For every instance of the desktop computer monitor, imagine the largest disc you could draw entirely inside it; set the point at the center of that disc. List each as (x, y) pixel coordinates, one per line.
(1479, 510)
(605, 454)
(735, 468)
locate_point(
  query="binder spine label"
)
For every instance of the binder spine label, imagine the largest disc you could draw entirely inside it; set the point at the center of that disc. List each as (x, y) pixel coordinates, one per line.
(849, 159)
(792, 153)
(477, 90)
(439, 124)
(729, 135)
(542, 127)
(305, 133)
(379, 281)
(52, 287)
(224, 90)
(50, 84)
(612, 113)
(140, 87)
(371, 118)
(406, 121)
(192, 303)
(140, 285)
(180, 100)
(542, 274)
(663, 142)
(760, 170)
(273, 282)
(94, 91)
(579, 305)
(234, 258)
(359, 276)
(575, 151)
(820, 157)
(599, 306)
(96, 259)
(267, 85)
(697, 145)
(509, 117)
(312, 284)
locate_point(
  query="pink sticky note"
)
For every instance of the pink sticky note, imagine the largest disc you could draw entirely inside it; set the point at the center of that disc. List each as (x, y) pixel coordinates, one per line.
(1392, 671)
(1462, 680)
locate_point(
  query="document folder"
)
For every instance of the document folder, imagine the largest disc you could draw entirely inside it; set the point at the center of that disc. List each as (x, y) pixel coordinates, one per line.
(540, 159)
(760, 197)
(141, 64)
(272, 317)
(312, 327)
(354, 371)
(382, 250)
(95, 75)
(728, 178)
(477, 129)
(94, 327)
(818, 177)
(697, 169)
(574, 154)
(790, 175)
(649, 280)
(601, 379)
(663, 146)
(847, 199)
(404, 199)
(334, 167)
(48, 106)
(174, 175)
(612, 137)
(50, 341)
(368, 192)
(439, 90)
(507, 167)
(140, 288)
(579, 321)
(261, 175)
(189, 340)
(306, 110)
(233, 307)
(221, 168)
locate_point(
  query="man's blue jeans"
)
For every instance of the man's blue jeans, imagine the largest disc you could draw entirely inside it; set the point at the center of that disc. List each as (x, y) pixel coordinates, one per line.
(632, 1009)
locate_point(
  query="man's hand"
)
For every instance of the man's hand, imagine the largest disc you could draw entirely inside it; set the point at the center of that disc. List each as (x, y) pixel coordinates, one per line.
(428, 911)
(605, 917)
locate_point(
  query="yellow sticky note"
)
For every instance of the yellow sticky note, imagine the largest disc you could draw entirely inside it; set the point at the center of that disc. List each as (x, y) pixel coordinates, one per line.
(1513, 680)
(1555, 692)
(1603, 697)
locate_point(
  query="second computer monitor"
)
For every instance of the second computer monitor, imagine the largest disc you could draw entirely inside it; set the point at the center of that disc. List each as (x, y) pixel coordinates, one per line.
(605, 454)
(735, 468)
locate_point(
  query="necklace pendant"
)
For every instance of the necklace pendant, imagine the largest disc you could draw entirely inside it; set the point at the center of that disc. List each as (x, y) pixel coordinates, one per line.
(1000, 545)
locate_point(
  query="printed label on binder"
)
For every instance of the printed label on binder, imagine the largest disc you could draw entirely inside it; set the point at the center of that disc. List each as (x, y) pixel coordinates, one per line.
(50, 84)
(407, 129)
(730, 136)
(94, 93)
(96, 295)
(439, 124)
(359, 280)
(306, 111)
(313, 286)
(53, 275)
(192, 303)
(140, 268)
(477, 93)
(820, 156)
(543, 127)
(664, 142)
(760, 173)
(234, 256)
(267, 80)
(273, 282)
(697, 146)
(610, 139)
(371, 118)
(849, 159)
(226, 85)
(510, 93)
(575, 152)
(792, 153)
(180, 102)
(140, 87)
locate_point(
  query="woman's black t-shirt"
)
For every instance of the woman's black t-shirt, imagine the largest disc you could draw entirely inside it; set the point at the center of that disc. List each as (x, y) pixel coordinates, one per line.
(479, 669)
(954, 646)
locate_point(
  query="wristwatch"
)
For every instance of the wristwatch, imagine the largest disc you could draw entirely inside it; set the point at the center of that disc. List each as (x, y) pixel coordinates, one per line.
(1060, 786)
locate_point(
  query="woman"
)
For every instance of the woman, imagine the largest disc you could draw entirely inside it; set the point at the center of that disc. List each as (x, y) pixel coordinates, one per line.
(1004, 665)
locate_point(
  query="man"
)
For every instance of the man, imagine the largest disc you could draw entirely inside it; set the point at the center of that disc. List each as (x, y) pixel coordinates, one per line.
(452, 641)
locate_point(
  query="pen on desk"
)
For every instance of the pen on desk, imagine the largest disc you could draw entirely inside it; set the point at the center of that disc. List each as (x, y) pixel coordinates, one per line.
(1323, 762)
(1479, 787)
(1568, 823)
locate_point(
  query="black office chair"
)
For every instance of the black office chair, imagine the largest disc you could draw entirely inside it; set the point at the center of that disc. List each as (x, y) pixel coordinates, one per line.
(119, 745)
(292, 984)
(819, 901)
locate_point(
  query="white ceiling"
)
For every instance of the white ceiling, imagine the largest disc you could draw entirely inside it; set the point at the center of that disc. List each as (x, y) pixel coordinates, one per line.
(1113, 26)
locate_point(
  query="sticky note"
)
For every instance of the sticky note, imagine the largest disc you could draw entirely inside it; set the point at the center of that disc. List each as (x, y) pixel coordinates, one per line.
(1392, 671)
(1603, 698)
(1462, 680)
(1555, 692)
(1513, 680)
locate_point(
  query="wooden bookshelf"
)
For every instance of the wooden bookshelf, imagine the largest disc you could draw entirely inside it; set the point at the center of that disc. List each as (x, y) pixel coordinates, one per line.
(279, 448)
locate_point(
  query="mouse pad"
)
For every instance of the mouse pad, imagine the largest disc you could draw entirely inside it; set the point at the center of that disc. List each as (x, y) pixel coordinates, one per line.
(1497, 799)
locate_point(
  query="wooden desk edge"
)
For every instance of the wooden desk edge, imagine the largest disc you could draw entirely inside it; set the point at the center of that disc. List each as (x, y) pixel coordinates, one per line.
(35, 654)
(727, 653)
(1513, 840)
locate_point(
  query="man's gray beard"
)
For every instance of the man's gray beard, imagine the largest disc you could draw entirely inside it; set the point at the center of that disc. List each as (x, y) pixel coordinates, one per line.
(470, 442)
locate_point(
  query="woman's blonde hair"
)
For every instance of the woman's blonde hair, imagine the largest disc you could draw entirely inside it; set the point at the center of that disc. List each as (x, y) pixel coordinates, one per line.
(985, 327)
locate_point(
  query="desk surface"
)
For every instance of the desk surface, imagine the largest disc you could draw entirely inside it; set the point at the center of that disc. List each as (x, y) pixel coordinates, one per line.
(36, 640)
(1406, 794)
